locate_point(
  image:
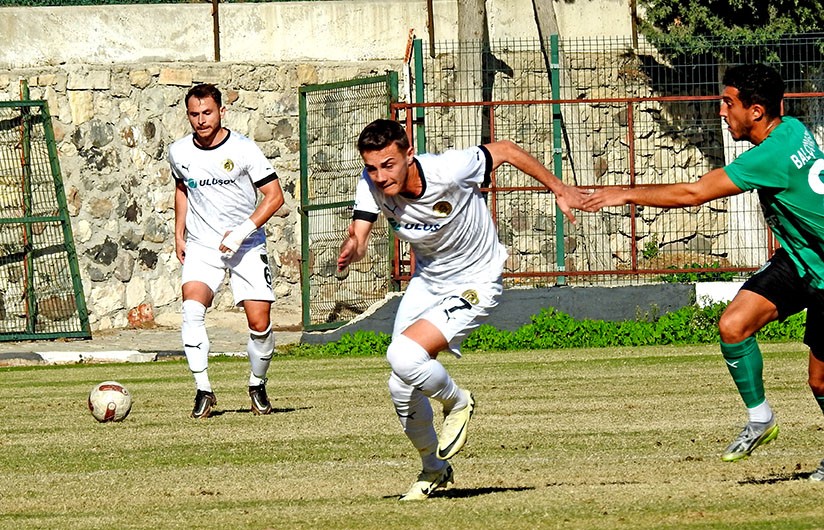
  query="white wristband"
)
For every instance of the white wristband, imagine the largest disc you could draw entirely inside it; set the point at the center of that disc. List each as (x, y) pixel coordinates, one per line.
(235, 238)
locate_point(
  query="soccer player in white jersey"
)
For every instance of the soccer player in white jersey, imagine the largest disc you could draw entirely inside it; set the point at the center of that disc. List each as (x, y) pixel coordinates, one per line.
(434, 202)
(219, 228)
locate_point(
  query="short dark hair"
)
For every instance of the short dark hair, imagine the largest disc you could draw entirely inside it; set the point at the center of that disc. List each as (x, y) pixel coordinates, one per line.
(380, 134)
(757, 84)
(203, 91)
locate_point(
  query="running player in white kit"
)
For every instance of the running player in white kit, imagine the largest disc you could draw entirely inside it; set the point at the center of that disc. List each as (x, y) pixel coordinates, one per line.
(434, 202)
(219, 228)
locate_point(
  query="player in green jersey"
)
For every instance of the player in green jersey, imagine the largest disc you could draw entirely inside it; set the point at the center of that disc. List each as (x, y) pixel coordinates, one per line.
(786, 166)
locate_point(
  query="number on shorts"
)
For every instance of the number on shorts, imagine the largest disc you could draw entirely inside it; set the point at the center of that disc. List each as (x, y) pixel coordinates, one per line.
(464, 304)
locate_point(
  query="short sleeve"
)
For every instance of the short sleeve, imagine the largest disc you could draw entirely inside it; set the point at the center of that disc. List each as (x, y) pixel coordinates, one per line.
(366, 208)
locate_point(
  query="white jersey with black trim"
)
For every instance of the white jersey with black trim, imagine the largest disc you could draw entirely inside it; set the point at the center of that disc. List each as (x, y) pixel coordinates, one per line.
(221, 185)
(449, 225)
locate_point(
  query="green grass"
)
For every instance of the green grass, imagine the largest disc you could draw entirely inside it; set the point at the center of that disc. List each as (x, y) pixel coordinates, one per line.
(573, 438)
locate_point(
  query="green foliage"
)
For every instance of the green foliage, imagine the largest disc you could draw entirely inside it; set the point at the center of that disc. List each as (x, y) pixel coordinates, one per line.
(552, 329)
(693, 277)
(694, 27)
(359, 344)
(650, 249)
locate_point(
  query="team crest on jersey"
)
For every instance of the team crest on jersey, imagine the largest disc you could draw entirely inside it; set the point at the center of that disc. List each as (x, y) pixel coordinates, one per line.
(471, 296)
(228, 165)
(442, 209)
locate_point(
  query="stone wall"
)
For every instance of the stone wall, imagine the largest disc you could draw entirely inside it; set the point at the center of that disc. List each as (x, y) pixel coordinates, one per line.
(113, 125)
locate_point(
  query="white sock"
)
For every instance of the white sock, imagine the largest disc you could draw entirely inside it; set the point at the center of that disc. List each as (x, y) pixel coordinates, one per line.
(760, 413)
(260, 346)
(416, 368)
(196, 342)
(415, 414)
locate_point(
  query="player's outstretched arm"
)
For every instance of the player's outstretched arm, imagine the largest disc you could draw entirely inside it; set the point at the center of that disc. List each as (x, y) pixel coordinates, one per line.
(353, 247)
(567, 197)
(711, 186)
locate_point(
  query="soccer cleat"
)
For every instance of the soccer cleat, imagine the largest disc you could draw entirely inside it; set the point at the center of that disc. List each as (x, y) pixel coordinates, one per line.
(427, 483)
(818, 474)
(260, 401)
(453, 432)
(753, 435)
(204, 401)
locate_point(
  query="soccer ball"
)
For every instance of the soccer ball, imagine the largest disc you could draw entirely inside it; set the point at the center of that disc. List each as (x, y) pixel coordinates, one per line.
(110, 401)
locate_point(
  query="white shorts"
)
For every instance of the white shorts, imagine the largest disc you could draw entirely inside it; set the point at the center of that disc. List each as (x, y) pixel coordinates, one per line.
(455, 310)
(249, 273)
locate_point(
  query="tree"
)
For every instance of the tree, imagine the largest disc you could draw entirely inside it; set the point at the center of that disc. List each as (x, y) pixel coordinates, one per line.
(689, 28)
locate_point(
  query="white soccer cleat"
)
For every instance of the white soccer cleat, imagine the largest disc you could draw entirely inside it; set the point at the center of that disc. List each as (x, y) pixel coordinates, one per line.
(453, 432)
(818, 474)
(753, 435)
(427, 483)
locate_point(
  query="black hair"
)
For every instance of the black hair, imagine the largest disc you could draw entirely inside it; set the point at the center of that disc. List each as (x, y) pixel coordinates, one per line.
(380, 134)
(203, 91)
(757, 84)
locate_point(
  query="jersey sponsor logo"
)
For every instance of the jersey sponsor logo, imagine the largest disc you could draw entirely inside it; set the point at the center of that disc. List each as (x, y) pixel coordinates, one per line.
(193, 183)
(228, 165)
(442, 209)
(424, 227)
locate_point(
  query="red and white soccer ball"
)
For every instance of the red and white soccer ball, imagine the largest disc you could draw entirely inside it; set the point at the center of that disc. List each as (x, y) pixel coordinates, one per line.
(110, 401)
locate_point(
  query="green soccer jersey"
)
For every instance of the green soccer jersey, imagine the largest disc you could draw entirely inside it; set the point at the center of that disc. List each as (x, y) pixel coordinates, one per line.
(787, 169)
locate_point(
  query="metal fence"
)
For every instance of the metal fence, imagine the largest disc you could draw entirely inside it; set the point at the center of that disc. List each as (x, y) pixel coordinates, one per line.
(41, 296)
(602, 112)
(331, 118)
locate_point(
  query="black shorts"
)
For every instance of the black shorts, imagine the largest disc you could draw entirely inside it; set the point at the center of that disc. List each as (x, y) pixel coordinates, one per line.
(778, 281)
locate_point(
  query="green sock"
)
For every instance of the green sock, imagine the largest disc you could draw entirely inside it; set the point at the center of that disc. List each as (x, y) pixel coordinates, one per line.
(746, 366)
(820, 400)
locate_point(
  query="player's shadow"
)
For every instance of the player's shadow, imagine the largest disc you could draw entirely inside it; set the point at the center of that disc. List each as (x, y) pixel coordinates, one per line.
(462, 493)
(275, 410)
(776, 479)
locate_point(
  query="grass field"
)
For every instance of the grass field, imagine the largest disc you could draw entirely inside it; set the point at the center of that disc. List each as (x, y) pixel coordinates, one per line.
(561, 439)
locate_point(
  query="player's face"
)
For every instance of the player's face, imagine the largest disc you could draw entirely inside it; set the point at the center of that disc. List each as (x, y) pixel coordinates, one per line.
(388, 168)
(738, 117)
(204, 116)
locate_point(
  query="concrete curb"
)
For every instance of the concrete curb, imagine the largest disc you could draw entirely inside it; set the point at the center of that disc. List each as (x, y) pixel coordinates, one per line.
(120, 356)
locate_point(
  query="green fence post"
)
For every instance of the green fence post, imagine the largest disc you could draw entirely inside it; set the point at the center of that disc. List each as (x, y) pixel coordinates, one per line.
(420, 127)
(557, 152)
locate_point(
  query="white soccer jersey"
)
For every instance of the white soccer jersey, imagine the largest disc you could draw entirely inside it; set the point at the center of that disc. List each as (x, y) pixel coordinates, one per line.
(222, 184)
(448, 226)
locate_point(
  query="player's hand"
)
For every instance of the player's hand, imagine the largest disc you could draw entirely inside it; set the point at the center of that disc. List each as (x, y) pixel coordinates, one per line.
(603, 198)
(180, 251)
(348, 249)
(570, 197)
(233, 238)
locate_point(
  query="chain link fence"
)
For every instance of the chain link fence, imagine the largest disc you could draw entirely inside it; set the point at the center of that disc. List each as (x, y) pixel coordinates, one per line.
(331, 119)
(602, 112)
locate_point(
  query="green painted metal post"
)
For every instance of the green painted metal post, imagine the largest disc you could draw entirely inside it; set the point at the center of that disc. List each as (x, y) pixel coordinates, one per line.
(420, 129)
(557, 152)
(305, 285)
(392, 91)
